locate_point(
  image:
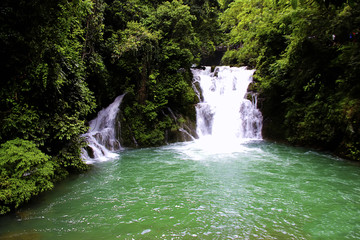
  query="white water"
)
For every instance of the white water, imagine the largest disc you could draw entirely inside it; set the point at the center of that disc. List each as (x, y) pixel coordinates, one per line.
(101, 137)
(225, 117)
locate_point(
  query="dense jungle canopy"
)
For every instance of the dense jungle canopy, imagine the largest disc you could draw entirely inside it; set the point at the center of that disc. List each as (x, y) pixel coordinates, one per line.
(62, 61)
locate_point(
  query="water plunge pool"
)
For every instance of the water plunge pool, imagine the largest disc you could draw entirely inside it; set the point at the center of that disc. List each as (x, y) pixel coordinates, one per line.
(257, 190)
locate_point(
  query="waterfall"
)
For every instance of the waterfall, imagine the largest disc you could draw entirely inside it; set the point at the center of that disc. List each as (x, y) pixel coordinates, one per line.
(224, 113)
(102, 136)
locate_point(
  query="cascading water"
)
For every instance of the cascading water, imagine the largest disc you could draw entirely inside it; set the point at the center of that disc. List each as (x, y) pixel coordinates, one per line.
(102, 137)
(224, 114)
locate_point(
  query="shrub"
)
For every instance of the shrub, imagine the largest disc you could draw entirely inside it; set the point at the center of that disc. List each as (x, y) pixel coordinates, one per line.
(25, 171)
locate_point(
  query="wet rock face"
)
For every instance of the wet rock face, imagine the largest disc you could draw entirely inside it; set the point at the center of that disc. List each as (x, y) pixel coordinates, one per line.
(90, 152)
(185, 131)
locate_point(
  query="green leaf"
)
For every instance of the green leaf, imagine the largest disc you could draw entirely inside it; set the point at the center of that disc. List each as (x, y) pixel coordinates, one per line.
(24, 172)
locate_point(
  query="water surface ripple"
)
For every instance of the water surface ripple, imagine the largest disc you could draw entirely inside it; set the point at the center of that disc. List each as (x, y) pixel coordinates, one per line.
(257, 190)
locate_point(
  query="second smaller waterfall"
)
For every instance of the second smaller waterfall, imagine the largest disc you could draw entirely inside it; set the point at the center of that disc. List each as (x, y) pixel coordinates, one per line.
(102, 136)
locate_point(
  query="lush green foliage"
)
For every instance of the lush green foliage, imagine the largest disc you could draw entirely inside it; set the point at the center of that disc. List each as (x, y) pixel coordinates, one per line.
(306, 56)
(24, 171)
(44, 97)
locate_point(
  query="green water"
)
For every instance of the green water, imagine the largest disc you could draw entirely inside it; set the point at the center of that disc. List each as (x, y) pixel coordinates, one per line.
(259, 190)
